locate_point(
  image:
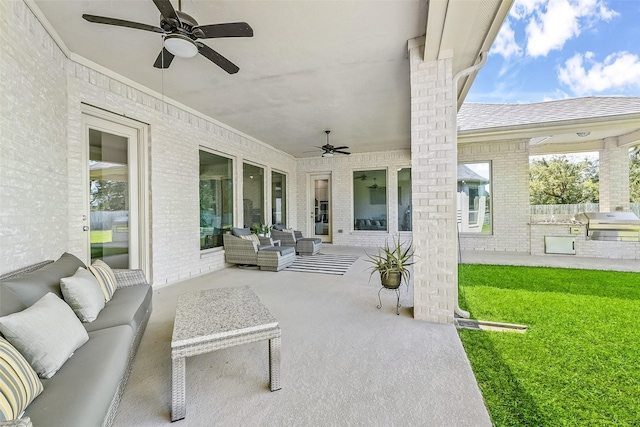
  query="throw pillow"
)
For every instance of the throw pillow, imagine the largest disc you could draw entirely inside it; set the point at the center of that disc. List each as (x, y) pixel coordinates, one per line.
(105, 277)
(46, 334)
(19, 384)
(83, 294)
(254, 238)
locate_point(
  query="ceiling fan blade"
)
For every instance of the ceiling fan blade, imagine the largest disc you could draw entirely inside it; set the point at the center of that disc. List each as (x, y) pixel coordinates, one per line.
(217, 59)
(167, 10)
(340, 148)
(232, 29)
(122, 23)
(341, 152)
(164, 59)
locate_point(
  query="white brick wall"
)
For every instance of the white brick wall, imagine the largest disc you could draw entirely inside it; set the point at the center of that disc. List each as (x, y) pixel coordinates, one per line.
(42, 188)
(33, 146)
(434, 169)
(509, 195)
(614, 177)
(341, 169)
(176, 136)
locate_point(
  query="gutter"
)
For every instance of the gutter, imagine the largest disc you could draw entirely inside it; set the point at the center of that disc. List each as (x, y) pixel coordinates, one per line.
(454, 113)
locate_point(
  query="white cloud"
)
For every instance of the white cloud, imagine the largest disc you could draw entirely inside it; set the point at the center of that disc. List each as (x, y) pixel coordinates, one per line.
(505, 43)
(551, 23)
(618, 71)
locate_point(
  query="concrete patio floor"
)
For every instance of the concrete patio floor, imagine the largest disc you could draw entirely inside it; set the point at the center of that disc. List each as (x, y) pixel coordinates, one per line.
(344, 362)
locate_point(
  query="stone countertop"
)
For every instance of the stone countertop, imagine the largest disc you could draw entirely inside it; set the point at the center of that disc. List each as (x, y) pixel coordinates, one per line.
(573, 223)
(217, 314)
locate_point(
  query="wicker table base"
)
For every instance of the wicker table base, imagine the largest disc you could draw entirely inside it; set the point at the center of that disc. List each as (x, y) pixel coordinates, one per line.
(214, 319)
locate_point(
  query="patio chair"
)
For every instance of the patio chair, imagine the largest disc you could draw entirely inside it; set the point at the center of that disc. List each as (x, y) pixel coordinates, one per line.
(294, 239)
(247, 250)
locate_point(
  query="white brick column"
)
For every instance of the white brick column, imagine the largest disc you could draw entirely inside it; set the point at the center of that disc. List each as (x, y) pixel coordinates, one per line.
(434, 169)
(614, 177)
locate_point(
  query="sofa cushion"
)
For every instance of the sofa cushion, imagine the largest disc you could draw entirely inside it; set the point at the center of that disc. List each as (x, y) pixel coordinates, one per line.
(240, 231)
(19, 384)
(46, 334)
(251, 237)
(128, 306)
(282, 249)
(30, 287)
(83, 294)
(311, 239)
(80, 393)
(105, 277)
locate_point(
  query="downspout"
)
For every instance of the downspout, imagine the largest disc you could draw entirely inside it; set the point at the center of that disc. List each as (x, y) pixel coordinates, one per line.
(454, 112)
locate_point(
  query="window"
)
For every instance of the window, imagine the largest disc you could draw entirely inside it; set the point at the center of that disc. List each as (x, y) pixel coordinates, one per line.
(404, 199)
(278, 198)
(370, 200)
(253, 195)
(474, 195)
(216, 198)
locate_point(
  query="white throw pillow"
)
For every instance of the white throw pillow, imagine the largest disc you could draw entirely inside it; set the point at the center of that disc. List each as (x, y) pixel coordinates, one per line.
(46, 334)
(83, 294)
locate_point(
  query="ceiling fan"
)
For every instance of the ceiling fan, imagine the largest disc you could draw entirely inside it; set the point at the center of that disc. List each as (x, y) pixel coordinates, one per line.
(374, 186)
(330, 150)
(362, 177)
(181, 33)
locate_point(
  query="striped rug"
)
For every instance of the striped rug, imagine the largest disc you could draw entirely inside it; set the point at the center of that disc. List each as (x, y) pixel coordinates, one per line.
(323, 264)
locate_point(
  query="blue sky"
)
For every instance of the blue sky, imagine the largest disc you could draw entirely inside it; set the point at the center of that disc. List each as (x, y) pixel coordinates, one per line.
(557, 49)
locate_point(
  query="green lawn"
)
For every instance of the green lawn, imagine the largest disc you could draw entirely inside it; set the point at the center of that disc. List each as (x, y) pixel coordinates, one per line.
(101, 236)
(579, 362)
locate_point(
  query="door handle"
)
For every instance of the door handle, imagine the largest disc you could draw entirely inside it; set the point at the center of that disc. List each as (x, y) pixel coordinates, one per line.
(85, 228)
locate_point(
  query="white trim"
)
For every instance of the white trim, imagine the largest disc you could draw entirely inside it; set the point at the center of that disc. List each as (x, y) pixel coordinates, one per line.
(311, 191)
(136, 131)
(530, 130)
(47, 26)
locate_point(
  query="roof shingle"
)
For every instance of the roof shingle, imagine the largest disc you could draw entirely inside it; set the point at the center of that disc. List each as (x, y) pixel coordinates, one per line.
(475, 116)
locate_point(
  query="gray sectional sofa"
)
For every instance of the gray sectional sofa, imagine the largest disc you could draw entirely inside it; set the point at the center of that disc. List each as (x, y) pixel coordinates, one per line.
(86, 390)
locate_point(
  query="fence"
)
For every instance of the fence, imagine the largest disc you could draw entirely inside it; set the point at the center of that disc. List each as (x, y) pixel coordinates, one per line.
(103, 220)
(573, 209)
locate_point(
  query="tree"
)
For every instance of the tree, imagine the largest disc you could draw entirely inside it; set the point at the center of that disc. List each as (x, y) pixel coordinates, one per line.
(634, 175)
(559, 180)
(108, 195)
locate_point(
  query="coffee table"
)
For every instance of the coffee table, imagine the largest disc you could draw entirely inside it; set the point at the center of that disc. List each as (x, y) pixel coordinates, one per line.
(213, 319)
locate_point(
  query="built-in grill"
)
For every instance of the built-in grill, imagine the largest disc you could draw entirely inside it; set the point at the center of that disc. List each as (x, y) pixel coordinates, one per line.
(621, 226)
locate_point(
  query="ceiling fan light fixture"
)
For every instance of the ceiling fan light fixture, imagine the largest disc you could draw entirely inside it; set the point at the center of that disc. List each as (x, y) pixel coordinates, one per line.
(180, 46)
(327, 154)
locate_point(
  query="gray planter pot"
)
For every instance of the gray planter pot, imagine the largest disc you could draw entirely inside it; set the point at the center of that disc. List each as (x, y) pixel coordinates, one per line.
(391, 280)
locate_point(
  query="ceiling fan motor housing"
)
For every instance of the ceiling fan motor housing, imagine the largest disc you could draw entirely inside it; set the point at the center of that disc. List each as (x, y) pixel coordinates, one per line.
(185, 26)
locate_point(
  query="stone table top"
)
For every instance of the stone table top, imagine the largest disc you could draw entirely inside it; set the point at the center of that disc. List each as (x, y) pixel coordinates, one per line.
(217, 314)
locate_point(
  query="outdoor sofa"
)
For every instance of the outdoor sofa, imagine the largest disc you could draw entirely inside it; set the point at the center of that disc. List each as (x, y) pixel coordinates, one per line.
(243, 248)
(85, 391)
(294, 239)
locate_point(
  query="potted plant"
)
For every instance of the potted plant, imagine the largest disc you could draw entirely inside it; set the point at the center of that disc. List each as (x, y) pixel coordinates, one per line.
(262, 230)
(392, 262)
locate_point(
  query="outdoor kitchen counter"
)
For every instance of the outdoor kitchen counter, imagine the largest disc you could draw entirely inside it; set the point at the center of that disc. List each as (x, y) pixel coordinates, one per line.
(583, 246)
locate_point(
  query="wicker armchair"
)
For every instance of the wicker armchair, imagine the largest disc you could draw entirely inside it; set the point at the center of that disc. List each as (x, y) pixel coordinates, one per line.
(248, 252)
(294, 239)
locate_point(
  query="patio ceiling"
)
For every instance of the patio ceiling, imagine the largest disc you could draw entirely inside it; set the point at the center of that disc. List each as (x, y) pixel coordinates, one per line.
(311, 65)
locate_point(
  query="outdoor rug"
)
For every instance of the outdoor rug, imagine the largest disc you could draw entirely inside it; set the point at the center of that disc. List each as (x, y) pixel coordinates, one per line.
(323, 264)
